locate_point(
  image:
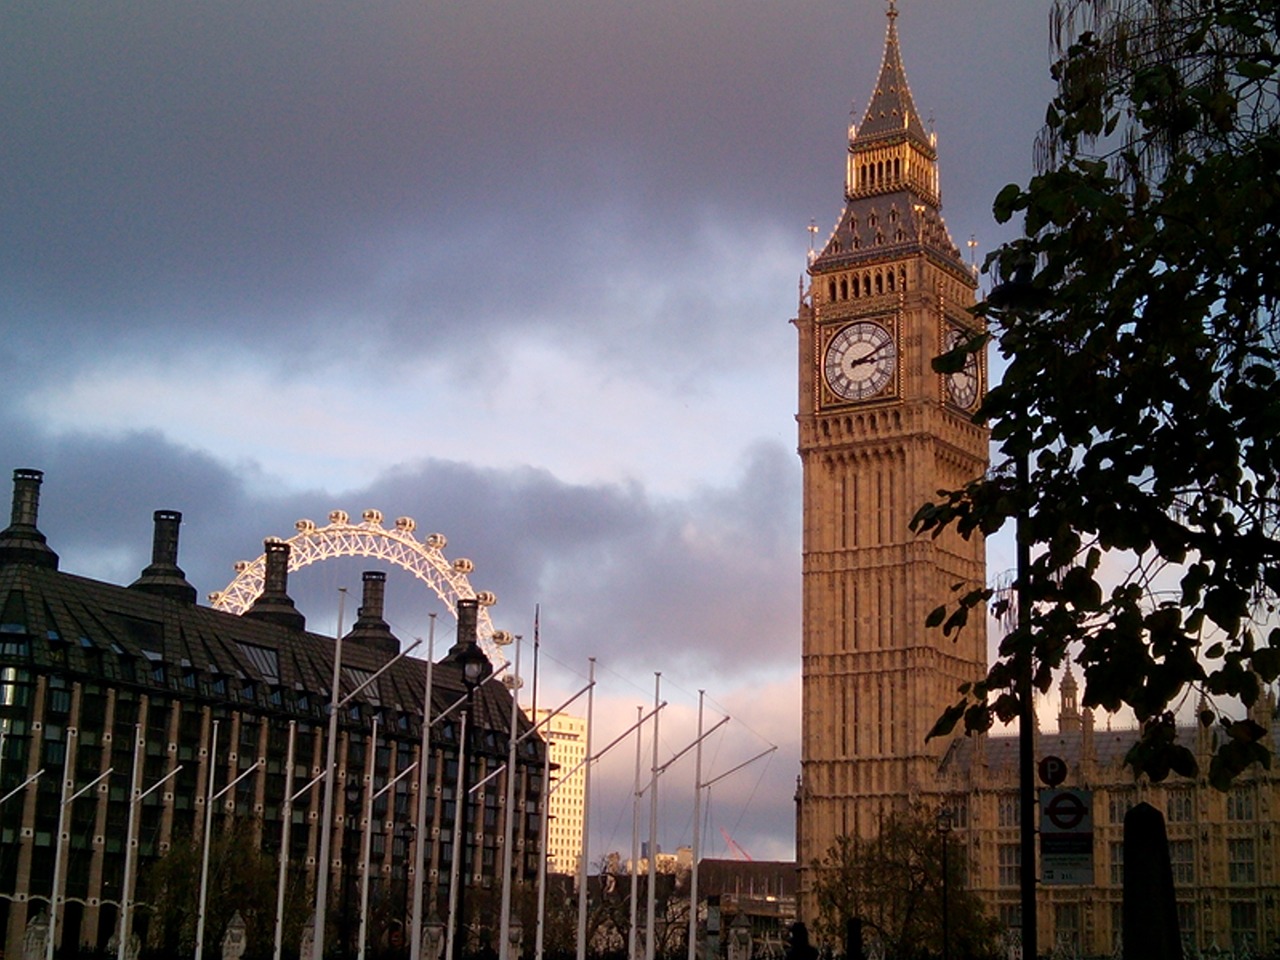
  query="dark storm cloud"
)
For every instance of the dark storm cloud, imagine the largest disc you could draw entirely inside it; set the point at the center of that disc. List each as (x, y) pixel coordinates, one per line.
(290, 174)
(645, 583)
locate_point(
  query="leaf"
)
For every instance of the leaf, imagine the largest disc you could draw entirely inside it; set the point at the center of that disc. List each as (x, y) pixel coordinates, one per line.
(1266, 662)
(1245, 731)
(1008, 201)
(959, 617)
(1183, 762)
(946, 723)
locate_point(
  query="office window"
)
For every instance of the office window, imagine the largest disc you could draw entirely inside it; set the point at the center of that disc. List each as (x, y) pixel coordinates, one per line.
(1010, 865)
(1187, 920)
(1011, 916)
(1117, 864)
(1010, 810)
(1240, 804)
(1240, 860)
(1118, 804)
(1244, 925)
(1180, 805)
(1182, 857)
(1066, 925)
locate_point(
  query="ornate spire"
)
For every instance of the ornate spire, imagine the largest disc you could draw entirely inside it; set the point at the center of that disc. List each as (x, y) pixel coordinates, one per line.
(893, 200)
(1068, 711)
(891, 110)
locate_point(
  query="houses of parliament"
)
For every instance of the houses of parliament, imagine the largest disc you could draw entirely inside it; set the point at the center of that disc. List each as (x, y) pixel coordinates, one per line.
(879, 432)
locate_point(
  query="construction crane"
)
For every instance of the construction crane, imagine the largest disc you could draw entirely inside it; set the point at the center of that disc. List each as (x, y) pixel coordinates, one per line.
(734, 845)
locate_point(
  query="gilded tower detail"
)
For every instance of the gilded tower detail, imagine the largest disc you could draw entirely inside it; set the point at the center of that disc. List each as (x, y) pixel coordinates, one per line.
(879, 433)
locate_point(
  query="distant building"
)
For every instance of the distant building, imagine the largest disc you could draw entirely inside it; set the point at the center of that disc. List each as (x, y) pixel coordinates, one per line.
(88, 670)
(762, 891)
(567, 744)
(1224, 848)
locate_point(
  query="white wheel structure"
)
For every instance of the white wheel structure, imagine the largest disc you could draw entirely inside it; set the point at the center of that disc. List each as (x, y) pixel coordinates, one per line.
(341, 538)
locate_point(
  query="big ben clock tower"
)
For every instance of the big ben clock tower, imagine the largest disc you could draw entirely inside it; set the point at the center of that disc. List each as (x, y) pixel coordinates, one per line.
(879, 433)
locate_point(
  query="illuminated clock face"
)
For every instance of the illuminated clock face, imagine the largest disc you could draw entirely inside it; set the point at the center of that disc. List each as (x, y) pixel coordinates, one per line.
(860, 360)
(962, 386)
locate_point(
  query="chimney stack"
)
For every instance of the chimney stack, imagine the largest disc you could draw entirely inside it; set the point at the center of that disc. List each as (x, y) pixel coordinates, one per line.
(468, 634)
(468, 621)
(274, 603)
(22, 541)
(164, 577)
(370, 629)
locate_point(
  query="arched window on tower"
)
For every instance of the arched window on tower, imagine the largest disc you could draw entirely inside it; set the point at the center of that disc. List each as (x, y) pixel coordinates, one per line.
(844, 288)
(831, 290)
(879, 282)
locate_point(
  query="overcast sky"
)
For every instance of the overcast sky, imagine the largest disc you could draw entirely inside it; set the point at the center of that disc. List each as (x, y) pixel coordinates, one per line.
(521, 270)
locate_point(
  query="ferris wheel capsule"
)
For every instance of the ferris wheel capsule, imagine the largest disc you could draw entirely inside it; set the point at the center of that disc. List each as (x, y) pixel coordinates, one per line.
(437, 541)
(305, 527)
(339, 517)
(373, 517)
(406, 524)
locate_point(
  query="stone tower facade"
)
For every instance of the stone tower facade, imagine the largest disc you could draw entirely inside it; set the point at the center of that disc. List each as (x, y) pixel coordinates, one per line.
(879, 433)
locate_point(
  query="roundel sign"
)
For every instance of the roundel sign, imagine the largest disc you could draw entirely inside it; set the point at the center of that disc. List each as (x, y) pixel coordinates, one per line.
(1066, 811)
(1066, 836)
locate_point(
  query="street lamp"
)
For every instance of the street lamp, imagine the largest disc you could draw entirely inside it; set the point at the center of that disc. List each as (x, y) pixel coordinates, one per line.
(433, 937)
(944, 829)
(475, 667)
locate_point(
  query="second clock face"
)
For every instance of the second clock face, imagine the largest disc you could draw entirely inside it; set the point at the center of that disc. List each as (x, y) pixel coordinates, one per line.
(962, 386)
(860, 360)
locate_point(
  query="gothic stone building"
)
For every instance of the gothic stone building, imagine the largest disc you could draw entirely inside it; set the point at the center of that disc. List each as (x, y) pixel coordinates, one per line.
(879, 432)
(93, 675)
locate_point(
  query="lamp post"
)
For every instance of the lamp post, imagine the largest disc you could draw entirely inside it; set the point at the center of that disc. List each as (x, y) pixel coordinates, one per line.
(475, 667)
(944, 831)
(1014, 295)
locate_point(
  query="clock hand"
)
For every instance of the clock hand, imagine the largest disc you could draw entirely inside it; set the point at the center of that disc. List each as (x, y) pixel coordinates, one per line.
(869, 357)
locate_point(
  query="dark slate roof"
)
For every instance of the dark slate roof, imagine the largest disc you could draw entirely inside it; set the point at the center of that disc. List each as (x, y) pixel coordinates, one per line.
(892, 112)
(885, 226)
(999, 752)
(87, 629)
